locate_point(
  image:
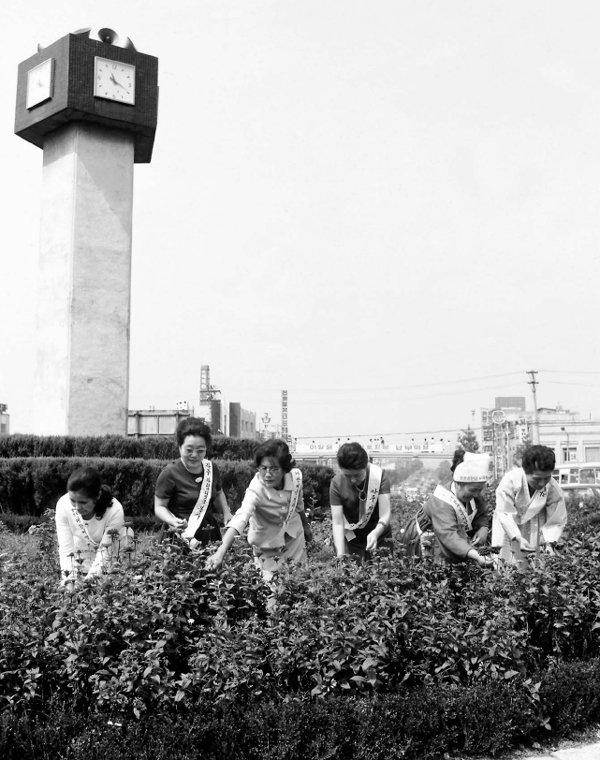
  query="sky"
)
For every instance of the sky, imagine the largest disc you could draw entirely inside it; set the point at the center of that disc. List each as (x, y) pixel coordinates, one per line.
(388, 208)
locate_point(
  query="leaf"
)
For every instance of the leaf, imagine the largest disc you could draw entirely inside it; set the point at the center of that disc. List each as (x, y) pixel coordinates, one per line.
(369, 663)
(510, 674)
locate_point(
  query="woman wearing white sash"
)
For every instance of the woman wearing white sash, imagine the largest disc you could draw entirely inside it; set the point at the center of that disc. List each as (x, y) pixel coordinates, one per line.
(530, 506)
(360, 504)
(457, 515)
(89, 527)
(188, 492)
(273, 506)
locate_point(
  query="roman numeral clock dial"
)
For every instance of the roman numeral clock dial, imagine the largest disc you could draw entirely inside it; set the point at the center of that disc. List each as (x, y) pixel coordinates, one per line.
(114, 80)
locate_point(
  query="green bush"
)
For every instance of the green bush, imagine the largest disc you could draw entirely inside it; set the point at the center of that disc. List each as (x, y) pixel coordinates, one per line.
(168, 632)
(414, 724)
(394, 658)
(117, 447)
(30, 485)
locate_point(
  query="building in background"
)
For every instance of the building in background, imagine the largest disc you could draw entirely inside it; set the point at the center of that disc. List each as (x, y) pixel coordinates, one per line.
(430, 451)
(151, 421)
(222, 418)
(509, 425)
(242, 423)
(4, 420)
(504, 427)
(570, 437)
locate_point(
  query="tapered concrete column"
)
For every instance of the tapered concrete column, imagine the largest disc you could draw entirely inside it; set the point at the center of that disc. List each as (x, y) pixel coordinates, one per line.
(83, 300)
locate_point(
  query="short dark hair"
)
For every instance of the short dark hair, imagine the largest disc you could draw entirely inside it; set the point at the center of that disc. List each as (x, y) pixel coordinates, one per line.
(196, 427)
(352, 456)
(538, 458)
(88, 480)
(277, 449)
(457, 459)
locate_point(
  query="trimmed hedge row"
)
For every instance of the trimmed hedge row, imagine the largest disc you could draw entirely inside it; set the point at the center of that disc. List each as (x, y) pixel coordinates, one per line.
(414, 724)
(395, 659)
(117, 447)
(29, 485)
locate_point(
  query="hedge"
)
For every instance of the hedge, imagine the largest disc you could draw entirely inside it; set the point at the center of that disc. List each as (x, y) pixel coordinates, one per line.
(415, 724)
(117, 447)
(29, 485)
(393, 659)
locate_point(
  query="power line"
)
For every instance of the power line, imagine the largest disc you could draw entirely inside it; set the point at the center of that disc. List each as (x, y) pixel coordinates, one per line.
(568, 372)
(371, 399)
(579, 385)
(383, 388)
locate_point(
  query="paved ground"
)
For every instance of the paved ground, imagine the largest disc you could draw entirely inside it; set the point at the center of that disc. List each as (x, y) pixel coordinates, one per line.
(586, 747)
(584, 752)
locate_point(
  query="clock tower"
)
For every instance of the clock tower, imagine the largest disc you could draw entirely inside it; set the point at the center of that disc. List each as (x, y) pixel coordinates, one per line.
(90, 101)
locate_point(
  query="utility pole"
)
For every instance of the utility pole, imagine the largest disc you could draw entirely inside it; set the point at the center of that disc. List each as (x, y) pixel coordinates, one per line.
(535, 437)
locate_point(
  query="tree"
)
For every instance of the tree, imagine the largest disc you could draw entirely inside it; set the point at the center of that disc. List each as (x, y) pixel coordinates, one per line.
(467, 440)
(443, 472)
(402, 470)
(520, 450)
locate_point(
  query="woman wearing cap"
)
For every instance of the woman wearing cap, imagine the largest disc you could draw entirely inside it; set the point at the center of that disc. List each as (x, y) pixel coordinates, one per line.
(457, 515)
(273, 506)
(530, 507)
(360, 504)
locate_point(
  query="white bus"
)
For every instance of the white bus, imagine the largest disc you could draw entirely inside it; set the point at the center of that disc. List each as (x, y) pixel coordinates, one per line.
(578, 476)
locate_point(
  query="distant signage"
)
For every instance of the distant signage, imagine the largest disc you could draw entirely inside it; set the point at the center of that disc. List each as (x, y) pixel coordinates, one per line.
(327, 448)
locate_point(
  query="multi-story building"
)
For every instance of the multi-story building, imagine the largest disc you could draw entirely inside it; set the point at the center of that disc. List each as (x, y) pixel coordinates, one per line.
(509, 424)
(242, 423)
(152, 421)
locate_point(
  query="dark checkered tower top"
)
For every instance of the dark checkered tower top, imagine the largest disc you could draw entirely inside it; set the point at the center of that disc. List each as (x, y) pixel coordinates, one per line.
(68, 89)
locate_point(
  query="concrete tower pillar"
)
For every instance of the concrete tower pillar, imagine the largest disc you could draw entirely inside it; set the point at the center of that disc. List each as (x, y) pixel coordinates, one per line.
(83, 308)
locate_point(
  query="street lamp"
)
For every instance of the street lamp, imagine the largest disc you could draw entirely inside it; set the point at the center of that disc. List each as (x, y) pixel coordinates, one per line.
(568, 457)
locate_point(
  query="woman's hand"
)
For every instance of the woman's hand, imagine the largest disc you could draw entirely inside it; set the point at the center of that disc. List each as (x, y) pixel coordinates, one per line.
(480, 537)
(372, 540)
(178, 523)
(482, 561)
(215, 560)
(308, 534)
(525, 545)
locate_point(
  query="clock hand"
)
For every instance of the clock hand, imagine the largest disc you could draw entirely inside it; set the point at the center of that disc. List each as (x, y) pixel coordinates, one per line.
(112, 76)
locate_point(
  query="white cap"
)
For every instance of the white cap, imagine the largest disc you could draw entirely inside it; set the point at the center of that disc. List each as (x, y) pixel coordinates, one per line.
(475, 468)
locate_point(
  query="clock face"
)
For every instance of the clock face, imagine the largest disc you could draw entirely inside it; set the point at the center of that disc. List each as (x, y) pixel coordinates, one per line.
(114, 80)
(40, 81)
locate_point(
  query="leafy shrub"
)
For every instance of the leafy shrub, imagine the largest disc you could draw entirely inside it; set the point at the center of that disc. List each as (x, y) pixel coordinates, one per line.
(393, 658)
(28, 485)
(570, 695)
(117, 447)
(414, 724)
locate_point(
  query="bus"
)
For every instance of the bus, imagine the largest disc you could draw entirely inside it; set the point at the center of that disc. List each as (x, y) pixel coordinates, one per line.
(578, 476)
